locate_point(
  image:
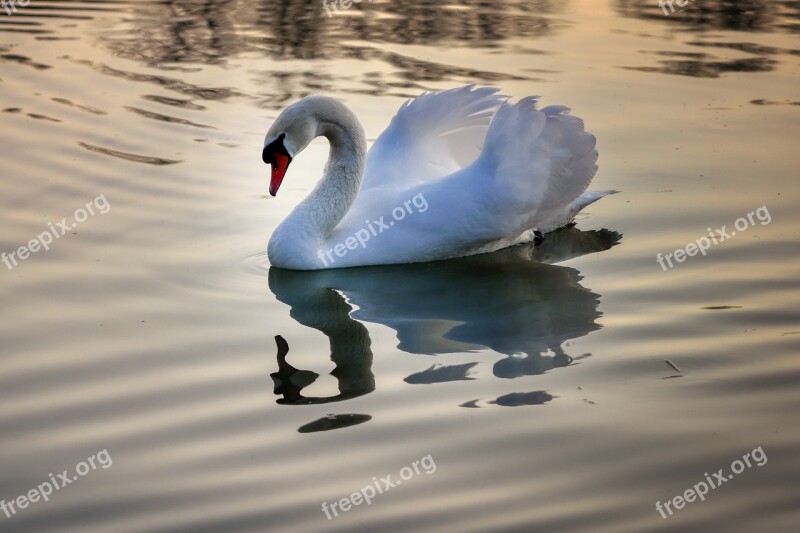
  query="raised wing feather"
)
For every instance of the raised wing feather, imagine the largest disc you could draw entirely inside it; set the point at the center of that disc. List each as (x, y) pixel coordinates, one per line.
(540, 160)
(431, 136)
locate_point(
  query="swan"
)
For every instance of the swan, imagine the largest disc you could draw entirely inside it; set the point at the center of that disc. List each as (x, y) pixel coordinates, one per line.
(456, 173)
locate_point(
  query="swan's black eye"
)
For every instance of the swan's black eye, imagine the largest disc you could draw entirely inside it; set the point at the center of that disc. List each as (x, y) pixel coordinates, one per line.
(275, 147)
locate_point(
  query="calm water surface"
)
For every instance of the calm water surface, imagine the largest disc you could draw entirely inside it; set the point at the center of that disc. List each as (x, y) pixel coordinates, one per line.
(535, 378)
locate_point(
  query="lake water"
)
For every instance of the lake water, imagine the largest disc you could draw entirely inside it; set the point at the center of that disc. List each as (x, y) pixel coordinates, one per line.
(565, 387)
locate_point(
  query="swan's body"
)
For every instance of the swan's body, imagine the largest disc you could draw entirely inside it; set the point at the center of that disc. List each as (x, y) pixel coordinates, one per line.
(456, 173)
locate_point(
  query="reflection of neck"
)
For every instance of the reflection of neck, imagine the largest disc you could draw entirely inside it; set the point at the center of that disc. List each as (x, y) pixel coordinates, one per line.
(284, 368)
(327, 311)
(350, 349)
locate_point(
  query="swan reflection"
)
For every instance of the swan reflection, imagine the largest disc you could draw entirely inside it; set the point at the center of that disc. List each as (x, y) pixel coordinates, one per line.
(514, 302)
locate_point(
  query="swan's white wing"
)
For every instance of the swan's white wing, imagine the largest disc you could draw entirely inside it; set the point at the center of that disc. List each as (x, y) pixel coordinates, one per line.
(431, 136)
(532, 173)
(540, 161)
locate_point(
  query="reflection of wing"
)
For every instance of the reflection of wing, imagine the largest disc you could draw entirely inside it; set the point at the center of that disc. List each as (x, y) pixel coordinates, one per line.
(431, 136)
(334, 422)
(506, 301)
(533, 364)
(511, 307)
(441, 374)
(515, 399)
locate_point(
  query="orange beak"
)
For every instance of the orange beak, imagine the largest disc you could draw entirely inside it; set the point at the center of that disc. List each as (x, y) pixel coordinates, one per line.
(279, 163)
(276, 155)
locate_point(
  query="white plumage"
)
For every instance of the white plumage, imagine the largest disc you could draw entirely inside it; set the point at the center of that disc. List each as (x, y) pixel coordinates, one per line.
(469, 172)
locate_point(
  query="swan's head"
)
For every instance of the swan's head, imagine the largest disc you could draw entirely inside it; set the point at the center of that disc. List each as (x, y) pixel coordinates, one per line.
(292, 131)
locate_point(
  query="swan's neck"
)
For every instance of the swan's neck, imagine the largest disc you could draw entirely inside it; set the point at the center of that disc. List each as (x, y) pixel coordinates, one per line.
(330, 200)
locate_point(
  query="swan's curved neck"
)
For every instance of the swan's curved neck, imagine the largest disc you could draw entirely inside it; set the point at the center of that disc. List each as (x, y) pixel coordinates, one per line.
(330, 200)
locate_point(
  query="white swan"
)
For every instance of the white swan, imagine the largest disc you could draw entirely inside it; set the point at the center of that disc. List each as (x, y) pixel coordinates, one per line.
(456, 173)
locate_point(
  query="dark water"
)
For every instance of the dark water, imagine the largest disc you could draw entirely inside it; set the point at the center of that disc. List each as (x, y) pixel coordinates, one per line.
(564, 387)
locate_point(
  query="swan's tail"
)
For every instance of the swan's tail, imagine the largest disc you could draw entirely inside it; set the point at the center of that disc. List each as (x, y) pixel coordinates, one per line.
(542, 162)
(565, 217)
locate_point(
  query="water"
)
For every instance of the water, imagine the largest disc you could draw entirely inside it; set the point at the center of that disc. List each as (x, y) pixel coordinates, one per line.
(536, 379)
